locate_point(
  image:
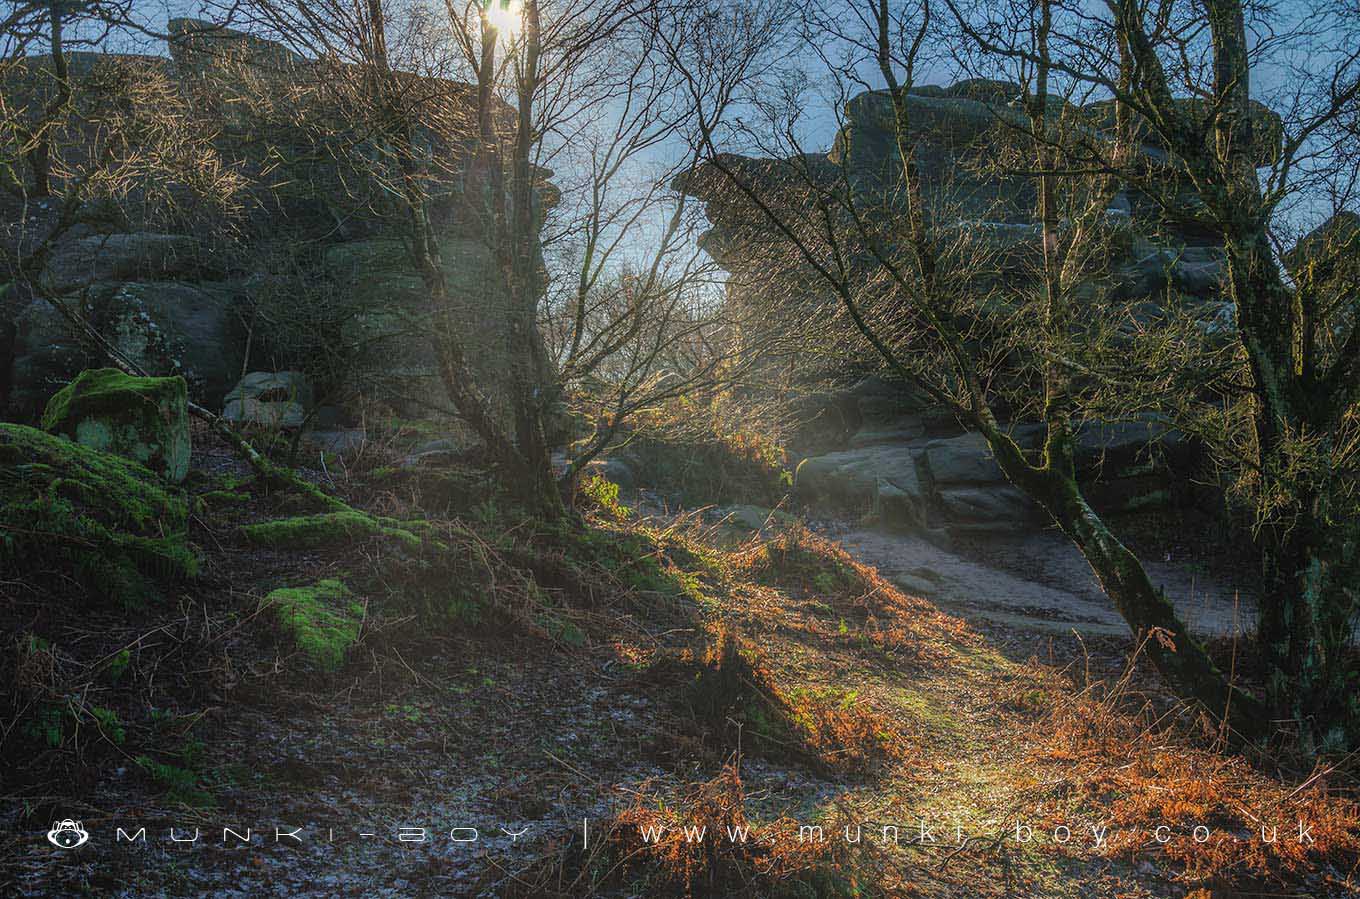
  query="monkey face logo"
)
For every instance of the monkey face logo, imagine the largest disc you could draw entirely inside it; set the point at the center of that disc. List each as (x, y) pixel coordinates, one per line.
(67, 834)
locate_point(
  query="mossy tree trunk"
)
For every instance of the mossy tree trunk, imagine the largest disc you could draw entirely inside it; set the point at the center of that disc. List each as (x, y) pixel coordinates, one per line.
(1303, 396)
(1152, 618)
(1310, 538)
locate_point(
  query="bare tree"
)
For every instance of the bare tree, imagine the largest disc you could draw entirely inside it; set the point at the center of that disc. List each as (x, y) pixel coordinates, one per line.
(603, 259)
(910, 278)
(1185, 74)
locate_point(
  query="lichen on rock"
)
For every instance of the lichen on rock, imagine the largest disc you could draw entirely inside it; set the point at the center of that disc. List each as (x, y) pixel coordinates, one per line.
(143, 419)
(101, 518)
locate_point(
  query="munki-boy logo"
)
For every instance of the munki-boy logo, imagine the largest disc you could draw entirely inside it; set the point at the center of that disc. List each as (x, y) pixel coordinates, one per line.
(67, 834)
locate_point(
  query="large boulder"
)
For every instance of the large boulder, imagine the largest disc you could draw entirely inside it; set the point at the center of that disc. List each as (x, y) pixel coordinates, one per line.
(143, 419)
(986, 509)
(138, 256)
(102, 519)
(851, 478)
(881, 478)
(166, 328)
(272, 400)
(953, 486)
(47, 354)
(962, 460)
(172, 328)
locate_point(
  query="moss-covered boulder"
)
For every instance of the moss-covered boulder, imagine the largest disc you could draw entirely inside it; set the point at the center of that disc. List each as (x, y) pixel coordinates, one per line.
(143, 419)
(106, 521)
(322, 620)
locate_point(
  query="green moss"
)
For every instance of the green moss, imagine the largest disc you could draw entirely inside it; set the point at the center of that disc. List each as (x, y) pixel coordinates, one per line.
(108, 521)
(1156, 499)
(326, 529)
(181, 784)
(220, 498)
(321, 620)
(104, 390)
(144, 419)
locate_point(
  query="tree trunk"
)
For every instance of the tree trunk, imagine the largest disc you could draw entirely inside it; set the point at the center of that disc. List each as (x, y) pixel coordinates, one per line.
(1175, 653)
(1306, 623)
(1309, 600)
(534, 391)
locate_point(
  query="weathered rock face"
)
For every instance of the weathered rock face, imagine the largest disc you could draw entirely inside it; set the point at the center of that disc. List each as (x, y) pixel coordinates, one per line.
(959, 132)
(103, 258)
(378, 275)
(910, 468)
(167, 327)
(951, 486)
(195, 303)
(142, 419)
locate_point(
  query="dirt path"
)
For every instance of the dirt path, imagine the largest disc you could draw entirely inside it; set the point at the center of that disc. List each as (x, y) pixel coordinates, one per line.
(510, 735)
(1040, 582)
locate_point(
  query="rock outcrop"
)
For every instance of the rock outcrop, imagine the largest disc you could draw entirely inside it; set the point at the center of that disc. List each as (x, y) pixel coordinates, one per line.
(910, 465)
(961, 132)
(314, 266)
(950, 486)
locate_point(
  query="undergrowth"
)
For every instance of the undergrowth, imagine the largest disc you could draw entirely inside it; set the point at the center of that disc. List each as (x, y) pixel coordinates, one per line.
(107, 522)
(704, 841)
(707, 453)
(1224, 821)
(734, 699)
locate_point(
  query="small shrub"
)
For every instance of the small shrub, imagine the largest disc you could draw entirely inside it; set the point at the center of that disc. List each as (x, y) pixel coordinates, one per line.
(603, 495)
(181, 784)
(798, 558)
(704, 843)
(714, 467)
(832, 729)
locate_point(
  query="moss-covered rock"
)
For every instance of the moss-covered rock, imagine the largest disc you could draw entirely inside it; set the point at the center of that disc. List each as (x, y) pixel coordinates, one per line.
(326, 529)
(322, 620)
(107, 521)
(144, 419)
